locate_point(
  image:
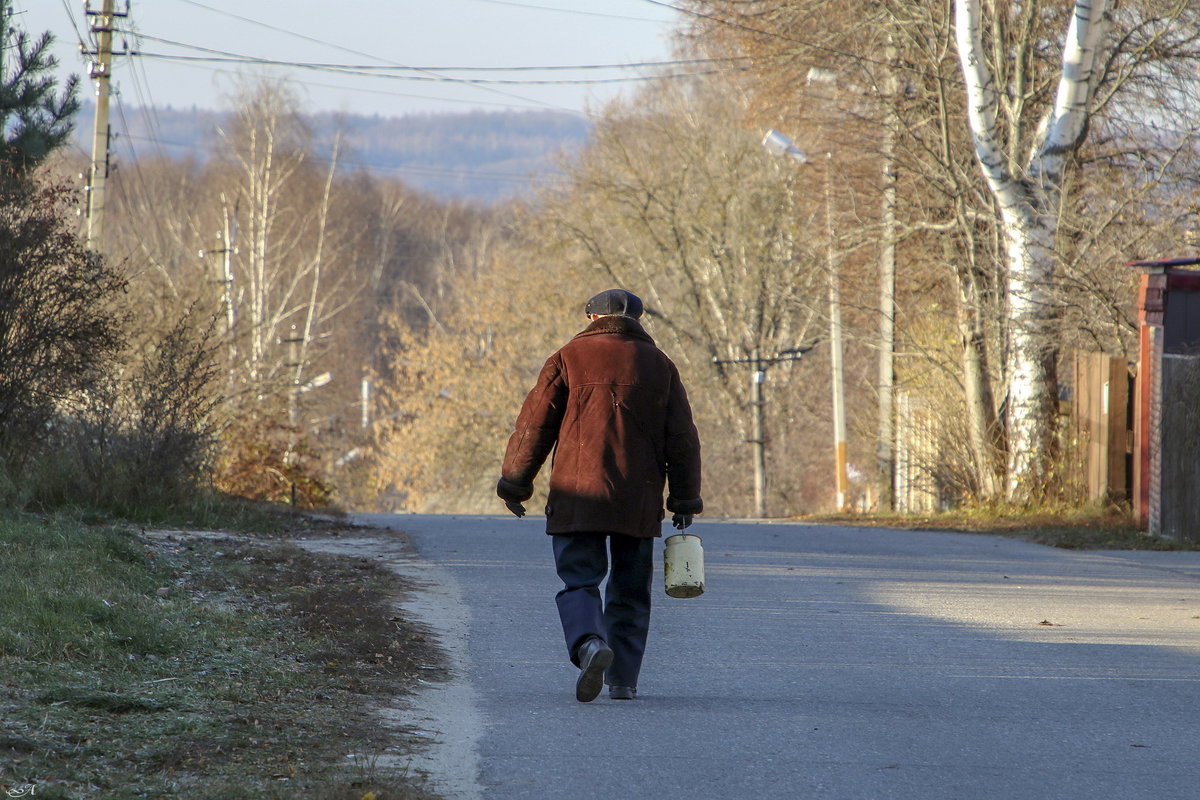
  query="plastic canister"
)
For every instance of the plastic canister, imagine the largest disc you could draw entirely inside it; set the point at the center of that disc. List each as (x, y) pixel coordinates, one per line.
(683, 563)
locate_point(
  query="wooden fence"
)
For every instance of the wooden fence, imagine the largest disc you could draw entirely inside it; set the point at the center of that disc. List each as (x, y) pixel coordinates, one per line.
(1179, 448)
(1102, 427)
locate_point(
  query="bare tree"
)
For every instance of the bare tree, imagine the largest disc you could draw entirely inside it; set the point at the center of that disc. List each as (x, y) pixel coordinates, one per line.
(267, 144)
(1094, 160)
(446, 375)
(676, 199)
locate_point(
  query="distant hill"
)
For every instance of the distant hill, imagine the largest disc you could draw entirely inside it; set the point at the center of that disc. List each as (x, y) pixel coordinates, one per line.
(481, 156)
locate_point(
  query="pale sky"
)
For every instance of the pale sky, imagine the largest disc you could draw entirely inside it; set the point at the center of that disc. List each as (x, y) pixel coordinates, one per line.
(436, 35)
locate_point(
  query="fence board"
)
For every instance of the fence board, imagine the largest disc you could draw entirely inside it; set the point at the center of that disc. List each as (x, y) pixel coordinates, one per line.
(1179, 465)
(1102, 435)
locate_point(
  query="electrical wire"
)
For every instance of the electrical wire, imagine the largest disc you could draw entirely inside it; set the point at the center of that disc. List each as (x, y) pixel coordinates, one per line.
(390, 93)
(135, 162)
(432, 74)
(562, 10)
(269, 62)
(775, 35)
(74, 25)
(352, 51)
(148, 107)
(684, 62)
(428, 74)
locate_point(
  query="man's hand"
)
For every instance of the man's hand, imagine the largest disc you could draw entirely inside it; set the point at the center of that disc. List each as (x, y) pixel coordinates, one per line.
(681, 521)
(513, 495)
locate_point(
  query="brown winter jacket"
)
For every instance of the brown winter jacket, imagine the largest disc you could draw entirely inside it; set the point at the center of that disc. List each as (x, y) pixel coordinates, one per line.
(611, 406)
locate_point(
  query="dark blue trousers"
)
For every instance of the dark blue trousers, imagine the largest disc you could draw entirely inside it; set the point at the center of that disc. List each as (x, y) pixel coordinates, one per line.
(623, 618)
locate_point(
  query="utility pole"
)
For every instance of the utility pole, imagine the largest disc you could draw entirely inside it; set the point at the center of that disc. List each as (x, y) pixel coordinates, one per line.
(228, 238)
(229, 235)
(758, 376)
(365, 395)
(5, 13)
(885, 457)
(294, 362)
(100, 71)
(780, 145)
(293, 343)
(842, 481)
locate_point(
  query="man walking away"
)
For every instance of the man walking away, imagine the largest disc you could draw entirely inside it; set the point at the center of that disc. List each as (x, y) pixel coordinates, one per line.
(611, 407)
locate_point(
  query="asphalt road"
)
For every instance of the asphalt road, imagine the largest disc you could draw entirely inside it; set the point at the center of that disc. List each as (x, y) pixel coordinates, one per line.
(825, 662)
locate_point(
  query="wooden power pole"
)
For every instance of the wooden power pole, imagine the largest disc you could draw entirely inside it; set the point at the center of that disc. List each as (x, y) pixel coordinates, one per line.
(100, 71)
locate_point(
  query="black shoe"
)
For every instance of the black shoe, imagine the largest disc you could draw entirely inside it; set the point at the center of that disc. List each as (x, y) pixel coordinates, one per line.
(622, 692)
(594, 658)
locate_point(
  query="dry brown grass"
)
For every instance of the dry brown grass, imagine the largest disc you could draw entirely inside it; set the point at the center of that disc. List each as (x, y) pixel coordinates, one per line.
(1067, 528)
(206, 668)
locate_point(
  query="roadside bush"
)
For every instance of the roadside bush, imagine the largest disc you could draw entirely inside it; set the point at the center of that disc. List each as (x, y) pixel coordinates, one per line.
(264, 460)
(142, 441)
(60, 328)
(170, 406)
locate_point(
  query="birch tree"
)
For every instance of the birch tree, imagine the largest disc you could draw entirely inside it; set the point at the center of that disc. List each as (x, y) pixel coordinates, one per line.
(1105, 166)
(290, 278)
(1029, 192)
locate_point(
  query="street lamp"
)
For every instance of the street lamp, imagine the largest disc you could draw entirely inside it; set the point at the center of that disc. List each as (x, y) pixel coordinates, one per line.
(885, 458)
(780, 145)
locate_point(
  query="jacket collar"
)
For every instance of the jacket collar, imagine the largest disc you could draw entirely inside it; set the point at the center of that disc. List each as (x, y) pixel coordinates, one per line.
(616, 324)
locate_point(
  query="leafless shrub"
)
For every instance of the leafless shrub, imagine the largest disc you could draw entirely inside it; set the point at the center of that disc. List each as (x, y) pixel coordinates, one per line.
(141, 440)
(60, 329)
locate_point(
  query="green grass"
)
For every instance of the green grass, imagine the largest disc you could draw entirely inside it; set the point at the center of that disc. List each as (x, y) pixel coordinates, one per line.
(70, 591)
(134, 668)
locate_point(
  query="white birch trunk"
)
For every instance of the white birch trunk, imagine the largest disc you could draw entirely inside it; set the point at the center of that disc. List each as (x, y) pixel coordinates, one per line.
(1028, 205)
(267, 274)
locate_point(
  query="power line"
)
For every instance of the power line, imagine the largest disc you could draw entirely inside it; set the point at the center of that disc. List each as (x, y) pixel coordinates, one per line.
(429, 74)
(148, 108)
(352, 51)
(135, 163)
(681, 62)
(953, 79)
(482, 82)
(530, 6)
(390, 93)
(74, 25)
(562, 10)
(284, 31)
